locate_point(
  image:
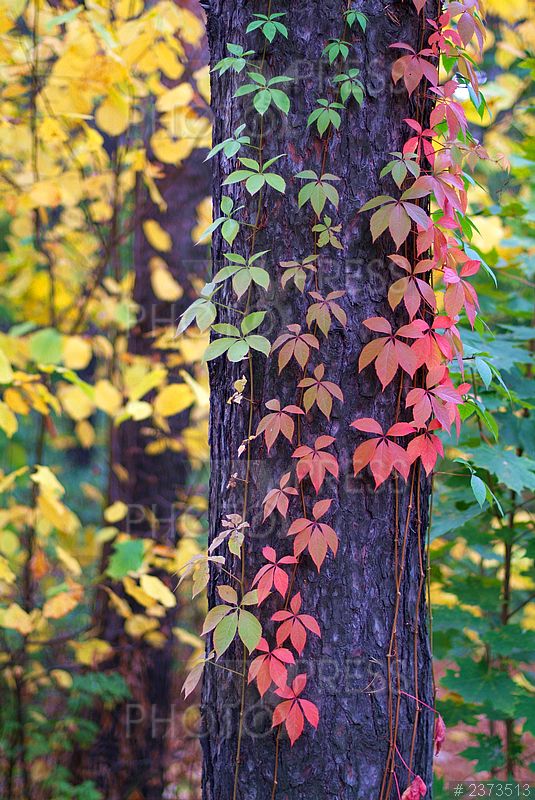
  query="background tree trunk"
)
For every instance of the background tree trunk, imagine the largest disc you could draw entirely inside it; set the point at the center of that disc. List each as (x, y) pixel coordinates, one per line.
(132, 752)
(354, 596)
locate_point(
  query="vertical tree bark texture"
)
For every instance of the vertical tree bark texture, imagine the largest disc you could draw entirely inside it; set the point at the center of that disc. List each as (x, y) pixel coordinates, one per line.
(353, 597)
(132, 751)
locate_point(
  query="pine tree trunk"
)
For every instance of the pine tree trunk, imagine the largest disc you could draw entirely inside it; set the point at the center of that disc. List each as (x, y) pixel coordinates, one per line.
(354, 596)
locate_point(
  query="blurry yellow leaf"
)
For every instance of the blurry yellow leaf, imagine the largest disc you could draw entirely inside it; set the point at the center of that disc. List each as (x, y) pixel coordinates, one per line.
(62, 678)
(63, 603)
(119, 604)
(113, 115)
(170, 149)
(164, 286)
(116, 511)
(6, 573)
(17, 618)
(76, 352)
(156, 589)
(156, 236)
(107, 397)
(6, 373)
(8, 421)
(138, 409)
(138, 625)
(85, 433)
(91, 652)
(75, 402)
(186, 637)
(137, 593)
(202, 79)
(68, 561)
(180, 95)
(173, 399)
(7, 481)
(16, 401)
(9, 543)
(47, 481)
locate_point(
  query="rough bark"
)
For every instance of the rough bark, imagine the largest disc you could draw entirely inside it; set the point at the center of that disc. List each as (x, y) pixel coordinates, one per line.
(353, 597)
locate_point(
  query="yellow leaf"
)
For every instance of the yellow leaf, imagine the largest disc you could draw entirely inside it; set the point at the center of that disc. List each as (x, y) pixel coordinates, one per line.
(85, 433)
(17, 618)
(68, 561)
(76, 352)
(170, 149)
(8, 421)
(62, 678)
(47, 481)
(173, 399)
(138, 409)
(92, 651)
(16, 401)
(113, 115)
(119, 604)
(141, 597)
(116, 511)
(6, 573)
(156, 236)
(7, 481)
(75, 402)
(164, 286)
(156, 589)
(202, 79)
(138, 625)
(137, 387)
(63, 603)
(181, 95)
(6, 373)
(107, 397)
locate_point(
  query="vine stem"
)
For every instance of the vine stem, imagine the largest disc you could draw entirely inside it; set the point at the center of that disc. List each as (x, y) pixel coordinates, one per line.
(255, 229)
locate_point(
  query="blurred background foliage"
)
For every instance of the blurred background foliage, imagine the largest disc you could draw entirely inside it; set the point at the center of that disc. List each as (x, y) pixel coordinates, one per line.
(104, 126)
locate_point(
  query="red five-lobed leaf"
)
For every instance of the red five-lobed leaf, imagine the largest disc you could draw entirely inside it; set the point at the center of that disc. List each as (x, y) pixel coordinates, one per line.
(388, 352)
(315, 462)
(415, 790)
(313, 535)
(320, 392)
(382, 454)
(271, 575)
(294, 708)
(295, 625)
(294, 344)
(270, 667)
(279, 498)
(279, 421)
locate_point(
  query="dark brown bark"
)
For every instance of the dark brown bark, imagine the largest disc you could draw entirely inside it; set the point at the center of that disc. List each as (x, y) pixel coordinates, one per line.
(354, 595)
(133, 749)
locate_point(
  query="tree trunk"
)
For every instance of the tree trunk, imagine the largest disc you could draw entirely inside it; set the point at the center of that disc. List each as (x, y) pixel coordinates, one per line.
(133, 749)
(351, 668)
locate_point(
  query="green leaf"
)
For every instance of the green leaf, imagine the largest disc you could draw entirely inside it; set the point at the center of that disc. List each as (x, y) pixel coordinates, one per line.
(262, 101)
(217, 348)
(479, 489)
(249, 629)
(515, 472)
(45, 346)
(252, 321)
(238, 350)
(225, 633)
(241, 282)
(127, 557)
(276, 181)
(259, 343)
(255, 183)
(229, 230)
(281, 100)
(225, 329)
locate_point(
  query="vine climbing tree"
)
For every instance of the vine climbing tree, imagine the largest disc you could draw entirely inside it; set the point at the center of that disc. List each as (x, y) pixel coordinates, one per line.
(329, 377)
